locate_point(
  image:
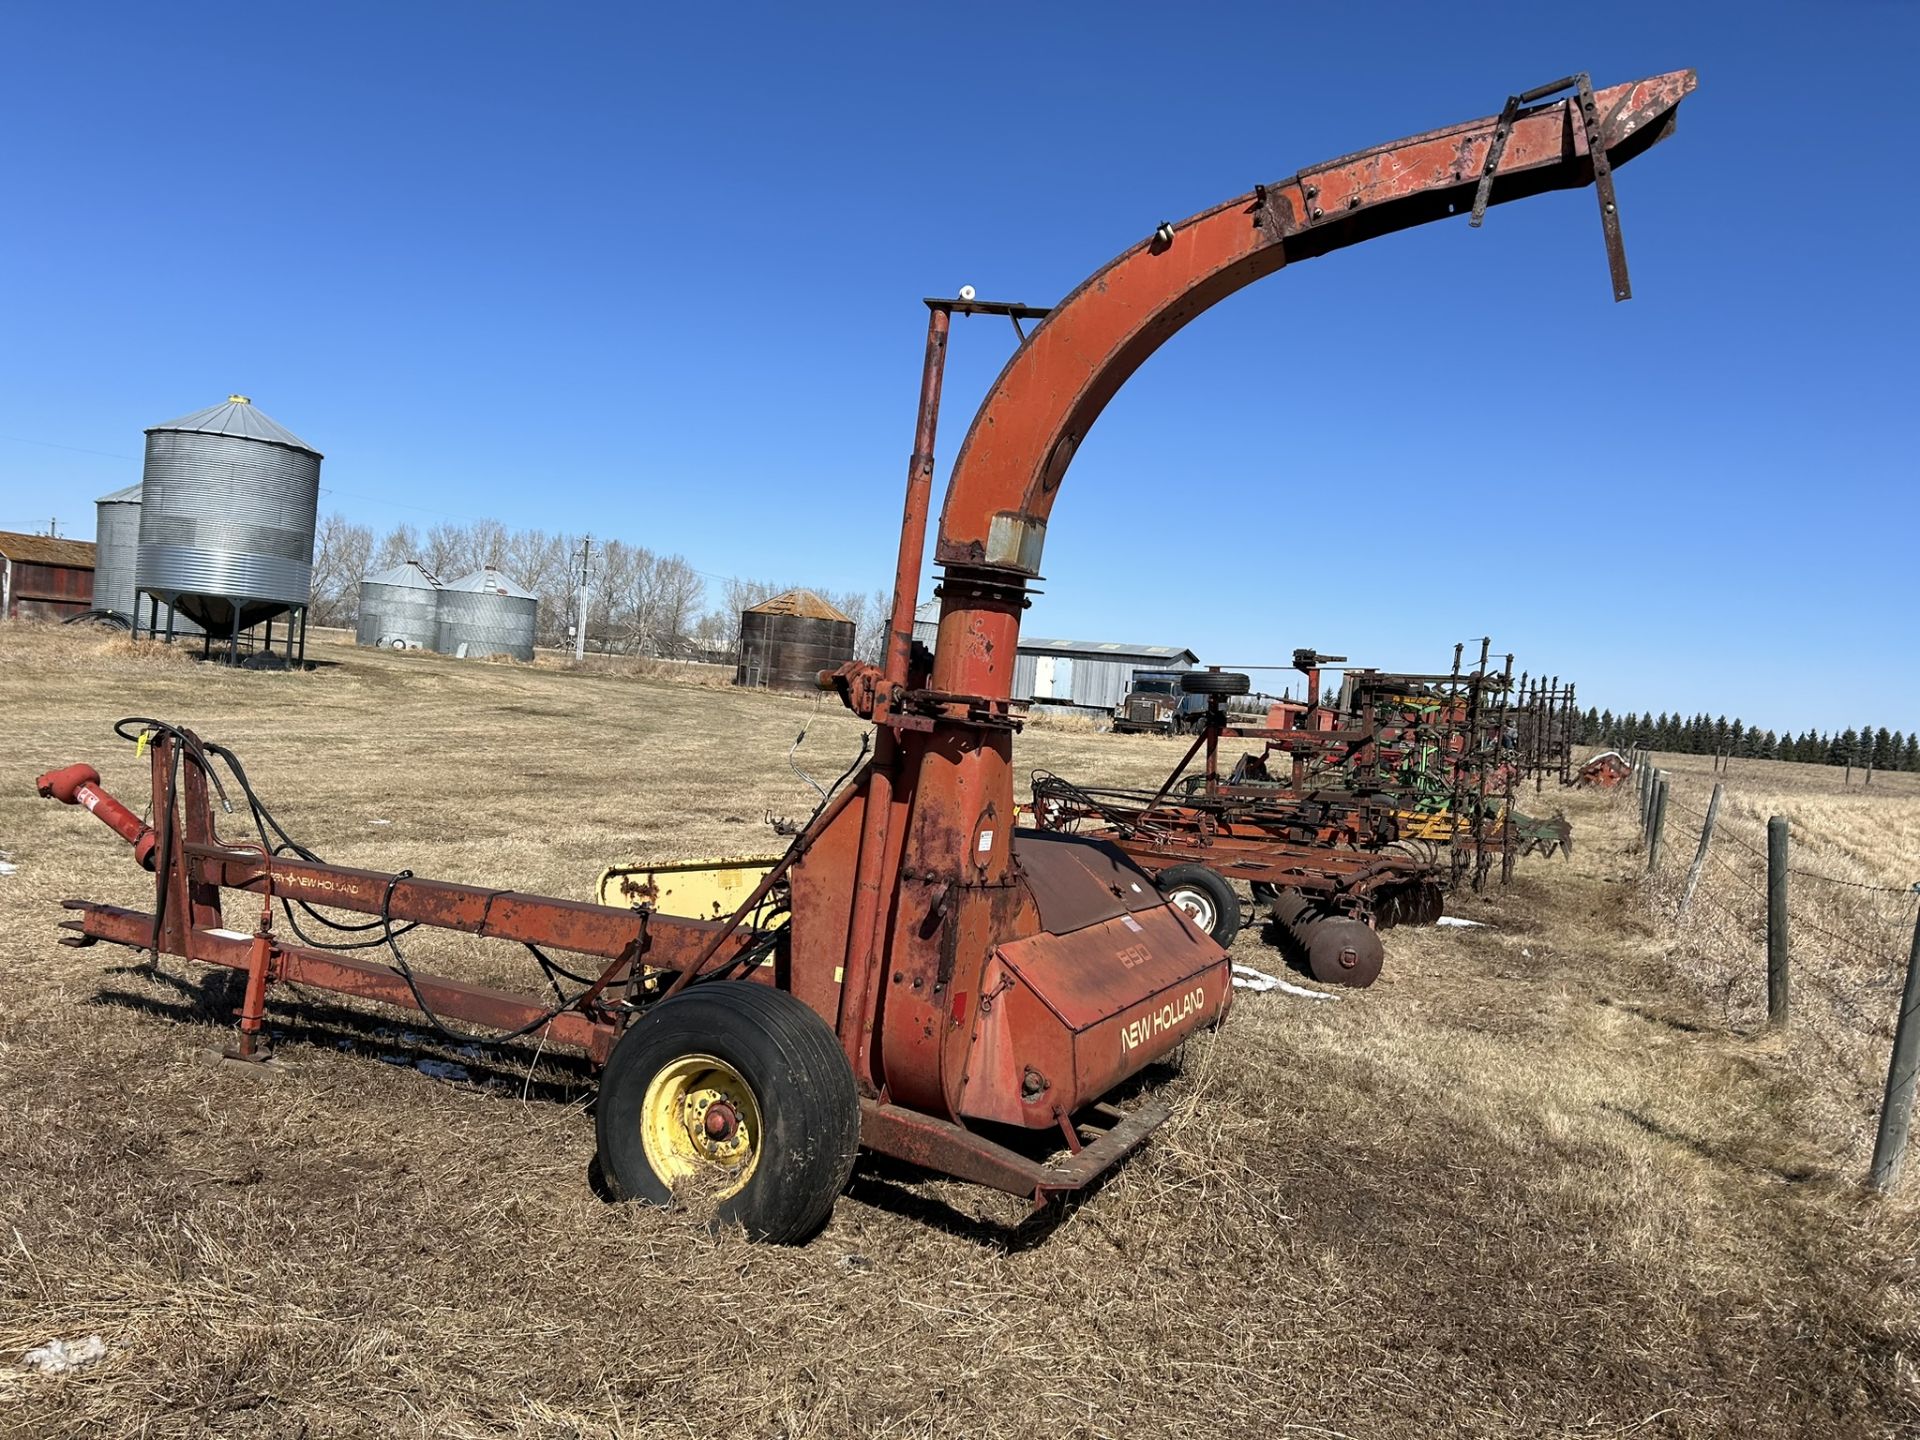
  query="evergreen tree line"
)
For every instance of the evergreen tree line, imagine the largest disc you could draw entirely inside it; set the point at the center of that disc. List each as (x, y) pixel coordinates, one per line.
(1877, 746)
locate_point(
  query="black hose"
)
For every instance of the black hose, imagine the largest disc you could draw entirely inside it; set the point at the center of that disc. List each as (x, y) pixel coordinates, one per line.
(269, 827)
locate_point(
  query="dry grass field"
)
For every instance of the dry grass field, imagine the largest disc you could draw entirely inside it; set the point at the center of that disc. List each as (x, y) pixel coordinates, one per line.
(1546, 1178)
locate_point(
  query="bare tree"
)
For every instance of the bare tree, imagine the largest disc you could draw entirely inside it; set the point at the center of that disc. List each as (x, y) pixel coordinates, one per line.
(870, 628)
(678, 592)
(402, 543)
(341, 551)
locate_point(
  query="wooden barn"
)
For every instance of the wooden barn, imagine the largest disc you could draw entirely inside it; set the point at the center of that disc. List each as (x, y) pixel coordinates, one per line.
(43, 578)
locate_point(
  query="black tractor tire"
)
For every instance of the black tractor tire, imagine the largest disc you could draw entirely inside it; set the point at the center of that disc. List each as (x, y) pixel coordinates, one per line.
(1215, 682)
(1206, 899)
(800, 1089)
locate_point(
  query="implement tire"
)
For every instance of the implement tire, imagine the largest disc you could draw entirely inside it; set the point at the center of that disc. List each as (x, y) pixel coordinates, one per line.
(1215, 682)
(1204, 898)
(736, 1092)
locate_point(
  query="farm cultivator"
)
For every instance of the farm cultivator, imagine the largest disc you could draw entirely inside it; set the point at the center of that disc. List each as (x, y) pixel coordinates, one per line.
(927, 983)
(1446, 753)
(1376, 790)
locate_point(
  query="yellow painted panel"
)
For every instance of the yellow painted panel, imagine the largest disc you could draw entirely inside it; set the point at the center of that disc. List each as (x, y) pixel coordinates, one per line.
(709, 889)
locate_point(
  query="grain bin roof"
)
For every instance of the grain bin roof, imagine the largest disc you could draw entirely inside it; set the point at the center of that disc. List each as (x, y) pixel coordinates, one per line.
(803, 604)
(121, 497)
(237, 417)
(410, 575)
(45, 550)
(1111, 649)
(491, 581)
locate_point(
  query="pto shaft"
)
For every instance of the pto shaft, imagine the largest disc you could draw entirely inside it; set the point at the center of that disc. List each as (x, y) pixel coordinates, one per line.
(80, 785)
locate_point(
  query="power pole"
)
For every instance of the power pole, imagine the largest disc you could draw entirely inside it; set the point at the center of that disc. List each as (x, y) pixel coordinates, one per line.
(586, 598)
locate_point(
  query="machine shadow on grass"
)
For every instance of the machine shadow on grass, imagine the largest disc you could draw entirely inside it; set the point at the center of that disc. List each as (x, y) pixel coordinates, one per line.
(899, 1188)
(209, 1002)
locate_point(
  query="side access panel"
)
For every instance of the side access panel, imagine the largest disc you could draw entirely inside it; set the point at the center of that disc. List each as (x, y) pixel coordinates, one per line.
(1062, 1019)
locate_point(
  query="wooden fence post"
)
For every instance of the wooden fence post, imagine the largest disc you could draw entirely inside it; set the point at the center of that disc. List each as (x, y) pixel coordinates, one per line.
(1896, 1111)
(1700, 855)
(1777, 920)
(1657, 824)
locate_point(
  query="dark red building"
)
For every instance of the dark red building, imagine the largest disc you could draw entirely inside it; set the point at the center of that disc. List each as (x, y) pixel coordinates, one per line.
(42, 578)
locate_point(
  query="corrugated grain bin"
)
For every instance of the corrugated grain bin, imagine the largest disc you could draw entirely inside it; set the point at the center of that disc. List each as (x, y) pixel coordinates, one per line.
(227, 510)
(116, 540)
(400, 608)
(485, 614)
(787, 641)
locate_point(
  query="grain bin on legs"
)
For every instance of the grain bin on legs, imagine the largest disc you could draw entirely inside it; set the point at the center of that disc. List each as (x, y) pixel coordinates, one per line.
(485, 614)
(227, 510)
(787, 641)
(400, 608)
(116, 544)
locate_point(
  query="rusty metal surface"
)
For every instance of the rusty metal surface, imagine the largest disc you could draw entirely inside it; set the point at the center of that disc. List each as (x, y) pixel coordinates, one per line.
(665, 941)
(1077, 881)
(1040, 409)
(1338, 949)
(192, 867)
(1247, 839)
(1062, 1019)
(1106, 1136)
(47, 589)
(348, 975)
(914, 923)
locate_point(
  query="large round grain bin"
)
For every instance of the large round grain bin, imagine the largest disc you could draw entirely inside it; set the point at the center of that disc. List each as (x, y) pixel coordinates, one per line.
(116, 548)
(787, 641)
(485, 614)
(227, 507)
(400, 608)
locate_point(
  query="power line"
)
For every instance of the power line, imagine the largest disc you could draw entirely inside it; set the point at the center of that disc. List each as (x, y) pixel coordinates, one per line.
(77, 449)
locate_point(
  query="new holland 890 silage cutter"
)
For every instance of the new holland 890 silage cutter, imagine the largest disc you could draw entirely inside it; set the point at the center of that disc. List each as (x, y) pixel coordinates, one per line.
(914, 976)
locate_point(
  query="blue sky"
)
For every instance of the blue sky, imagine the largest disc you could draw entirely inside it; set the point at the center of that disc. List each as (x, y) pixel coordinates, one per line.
(656, 272)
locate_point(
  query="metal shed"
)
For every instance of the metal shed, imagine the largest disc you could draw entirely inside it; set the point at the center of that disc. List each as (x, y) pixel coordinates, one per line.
(43, 578)
(1084, 675)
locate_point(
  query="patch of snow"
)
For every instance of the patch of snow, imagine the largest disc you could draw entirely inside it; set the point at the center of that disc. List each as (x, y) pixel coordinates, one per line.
(442, 1069)
(56, 1357)
(1245, 977)
(1463, 924)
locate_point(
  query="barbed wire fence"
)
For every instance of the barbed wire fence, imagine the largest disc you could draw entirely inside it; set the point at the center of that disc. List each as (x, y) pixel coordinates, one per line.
(1841, 967)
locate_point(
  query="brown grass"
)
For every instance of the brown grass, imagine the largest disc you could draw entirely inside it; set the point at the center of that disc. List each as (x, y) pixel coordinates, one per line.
(1533, 1183)
(1854, 854)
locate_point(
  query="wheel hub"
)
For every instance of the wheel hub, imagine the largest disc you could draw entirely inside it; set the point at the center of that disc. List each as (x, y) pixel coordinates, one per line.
(700, 1121)
(1197, 907)
(720, 1122)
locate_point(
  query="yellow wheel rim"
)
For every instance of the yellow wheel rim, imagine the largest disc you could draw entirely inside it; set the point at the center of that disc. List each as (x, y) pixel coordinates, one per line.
(700, 1123)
